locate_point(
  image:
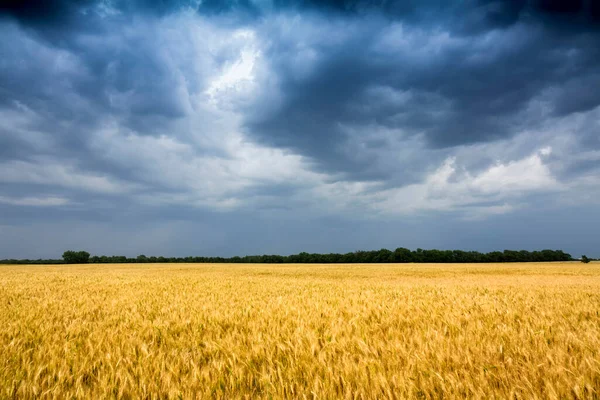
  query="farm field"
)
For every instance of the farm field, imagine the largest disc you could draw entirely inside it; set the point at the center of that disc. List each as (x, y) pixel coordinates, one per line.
(300, 331)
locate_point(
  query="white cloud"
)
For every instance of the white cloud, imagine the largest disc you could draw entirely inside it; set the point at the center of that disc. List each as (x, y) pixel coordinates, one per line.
(50, 201)
(496, 190)
(522, 175)
(234, 172)
(238, 75)
(58, 173)
(192, 174)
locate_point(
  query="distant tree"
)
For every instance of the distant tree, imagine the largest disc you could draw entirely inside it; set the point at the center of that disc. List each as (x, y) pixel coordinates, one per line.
(383, 256)
(418, 255)
(76, 257)
(402, 255)
(584, 259)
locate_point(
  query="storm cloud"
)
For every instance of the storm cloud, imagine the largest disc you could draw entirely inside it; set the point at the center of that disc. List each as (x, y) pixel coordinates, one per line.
(283, 120)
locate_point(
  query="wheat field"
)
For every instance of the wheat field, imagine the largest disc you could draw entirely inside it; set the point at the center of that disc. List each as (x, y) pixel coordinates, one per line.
(300, 331)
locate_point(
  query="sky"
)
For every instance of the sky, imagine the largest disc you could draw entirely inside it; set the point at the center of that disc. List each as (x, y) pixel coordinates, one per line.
(221, 128)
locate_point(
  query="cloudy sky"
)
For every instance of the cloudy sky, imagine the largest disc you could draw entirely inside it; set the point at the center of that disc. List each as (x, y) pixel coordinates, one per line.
(205, 127)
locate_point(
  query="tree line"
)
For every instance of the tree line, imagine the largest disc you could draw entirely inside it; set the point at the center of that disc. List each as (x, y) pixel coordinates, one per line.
(400, 255)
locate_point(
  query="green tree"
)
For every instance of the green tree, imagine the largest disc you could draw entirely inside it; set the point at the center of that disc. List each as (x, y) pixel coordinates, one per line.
(402, 255)
(584, 259)
(383, 256)
(76, 257)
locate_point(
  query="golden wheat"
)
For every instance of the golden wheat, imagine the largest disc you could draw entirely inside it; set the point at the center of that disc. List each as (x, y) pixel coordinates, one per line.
(300, 331)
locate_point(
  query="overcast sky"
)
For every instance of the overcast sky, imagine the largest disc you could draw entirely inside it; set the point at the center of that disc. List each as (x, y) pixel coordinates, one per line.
(280, 126)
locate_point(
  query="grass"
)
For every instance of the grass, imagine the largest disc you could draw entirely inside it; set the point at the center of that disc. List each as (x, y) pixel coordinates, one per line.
(300, 331)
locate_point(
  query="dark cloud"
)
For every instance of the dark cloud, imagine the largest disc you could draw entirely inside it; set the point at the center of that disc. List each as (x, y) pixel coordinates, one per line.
(500, 12)
(493, 12)
(493, 58)
(507, 79)
(213, 7)
(59, 12)
(366, 90)
(43, 12)
(453, 90)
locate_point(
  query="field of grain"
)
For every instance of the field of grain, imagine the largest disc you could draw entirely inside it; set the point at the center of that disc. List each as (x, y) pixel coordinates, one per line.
(300, 331)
